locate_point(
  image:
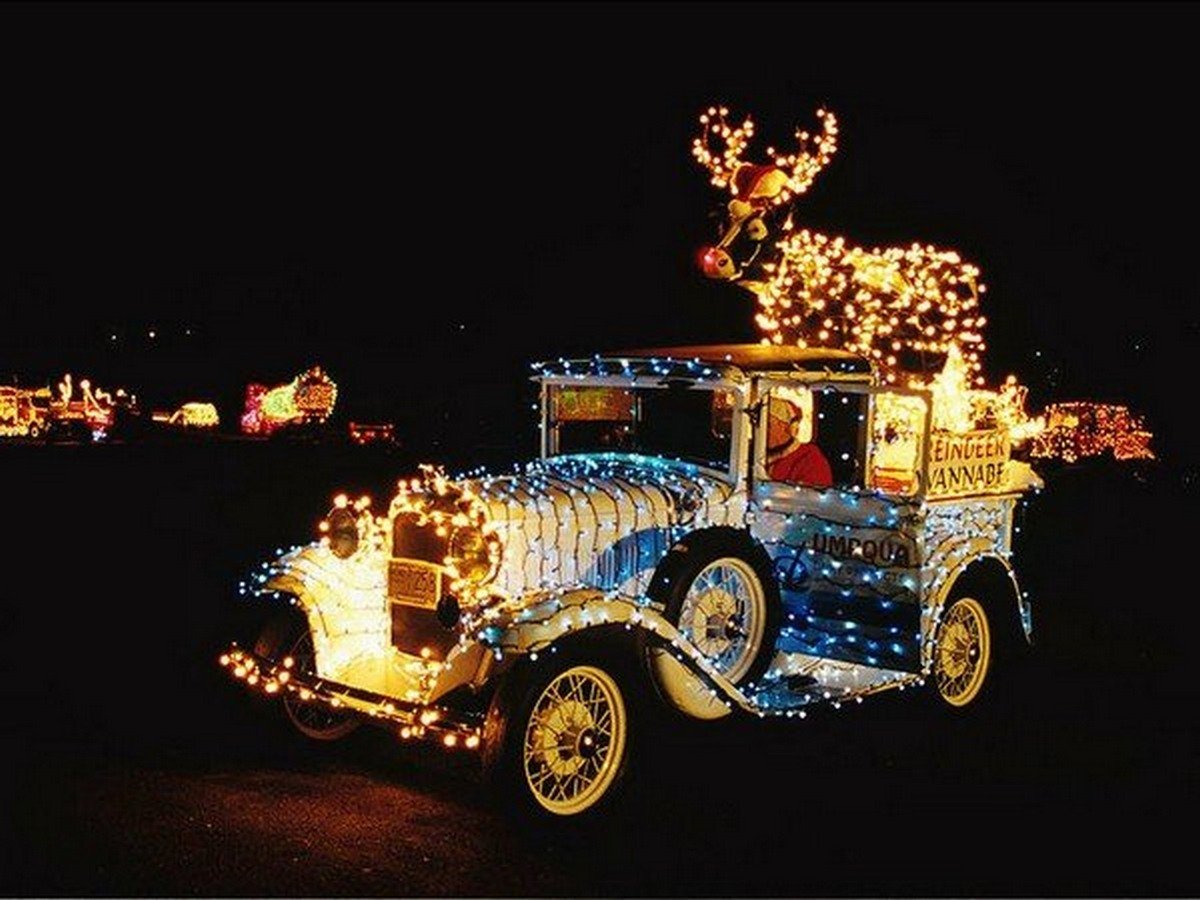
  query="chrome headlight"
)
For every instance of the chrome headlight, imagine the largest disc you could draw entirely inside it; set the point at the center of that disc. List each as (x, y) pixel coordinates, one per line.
(342, 531)
(473, 556)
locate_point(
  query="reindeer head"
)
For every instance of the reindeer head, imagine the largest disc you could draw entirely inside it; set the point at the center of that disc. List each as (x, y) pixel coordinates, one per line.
(756, 188)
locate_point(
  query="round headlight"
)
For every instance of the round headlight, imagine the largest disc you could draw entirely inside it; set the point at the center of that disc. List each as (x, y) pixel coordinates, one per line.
(343, 532)
(471, 556)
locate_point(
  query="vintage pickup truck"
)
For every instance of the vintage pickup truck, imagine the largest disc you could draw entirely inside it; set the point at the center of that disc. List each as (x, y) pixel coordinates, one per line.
(750, 529)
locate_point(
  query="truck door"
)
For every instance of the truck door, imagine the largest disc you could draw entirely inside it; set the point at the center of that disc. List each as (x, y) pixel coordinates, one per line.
(835, 502)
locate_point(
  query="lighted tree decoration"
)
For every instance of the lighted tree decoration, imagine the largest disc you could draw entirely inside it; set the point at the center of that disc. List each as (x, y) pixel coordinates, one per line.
(914, 311)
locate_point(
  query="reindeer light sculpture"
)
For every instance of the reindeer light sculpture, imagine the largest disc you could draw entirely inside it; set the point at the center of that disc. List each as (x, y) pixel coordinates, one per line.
(904, 307)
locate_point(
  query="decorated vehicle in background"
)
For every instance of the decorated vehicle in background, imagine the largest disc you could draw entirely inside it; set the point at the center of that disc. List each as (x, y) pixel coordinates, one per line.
(1078, 430)
(78, 411)
(84, 412)
(306, 400)
(666, 536)
(194, 414)
(24, 412)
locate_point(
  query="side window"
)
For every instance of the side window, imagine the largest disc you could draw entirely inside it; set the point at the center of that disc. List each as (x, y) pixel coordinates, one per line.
(814, 438)
(723, 403)
(898, 431)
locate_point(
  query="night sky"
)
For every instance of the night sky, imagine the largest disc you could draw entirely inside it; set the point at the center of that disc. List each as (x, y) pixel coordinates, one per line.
(423, 199)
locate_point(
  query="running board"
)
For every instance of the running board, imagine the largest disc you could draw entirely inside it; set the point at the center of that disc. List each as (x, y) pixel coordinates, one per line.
(537, 626)
(796, 682)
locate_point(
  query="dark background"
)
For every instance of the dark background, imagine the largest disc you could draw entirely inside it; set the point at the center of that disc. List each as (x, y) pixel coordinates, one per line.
(423, 200)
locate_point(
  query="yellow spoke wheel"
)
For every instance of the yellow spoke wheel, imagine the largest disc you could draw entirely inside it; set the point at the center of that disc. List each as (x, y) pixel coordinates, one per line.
(575, 740)
(963, 652)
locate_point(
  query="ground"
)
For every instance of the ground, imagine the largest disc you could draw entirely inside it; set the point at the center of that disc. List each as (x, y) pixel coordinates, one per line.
(131, 766)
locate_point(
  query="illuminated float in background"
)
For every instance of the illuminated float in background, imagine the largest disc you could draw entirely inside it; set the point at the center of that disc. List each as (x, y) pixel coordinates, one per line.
(74, 411)
(192, 415)
(762, 528)
(24, 412)
(81, 411)
(308, 399)
(1072, 431)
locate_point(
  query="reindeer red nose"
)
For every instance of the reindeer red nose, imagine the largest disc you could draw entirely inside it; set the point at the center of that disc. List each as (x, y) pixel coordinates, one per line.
(716, 263)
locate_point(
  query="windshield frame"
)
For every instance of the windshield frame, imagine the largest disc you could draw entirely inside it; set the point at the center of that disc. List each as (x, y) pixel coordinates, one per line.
(739, 434)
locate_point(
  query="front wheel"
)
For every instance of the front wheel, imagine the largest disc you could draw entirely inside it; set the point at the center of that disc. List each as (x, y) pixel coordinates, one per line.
(565, 740)
(289, 637)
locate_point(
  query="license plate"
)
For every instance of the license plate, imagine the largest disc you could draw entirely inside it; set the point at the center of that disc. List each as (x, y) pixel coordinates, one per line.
(415, 583)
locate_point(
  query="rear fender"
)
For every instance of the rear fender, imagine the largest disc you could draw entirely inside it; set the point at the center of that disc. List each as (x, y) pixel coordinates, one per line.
(991, 567)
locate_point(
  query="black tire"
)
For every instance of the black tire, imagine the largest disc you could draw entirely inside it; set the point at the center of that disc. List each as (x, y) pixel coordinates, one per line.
(515, 757)
(689, 558)
(288, 635)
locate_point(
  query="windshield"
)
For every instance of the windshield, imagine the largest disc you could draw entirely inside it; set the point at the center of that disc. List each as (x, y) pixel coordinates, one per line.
(676, 421)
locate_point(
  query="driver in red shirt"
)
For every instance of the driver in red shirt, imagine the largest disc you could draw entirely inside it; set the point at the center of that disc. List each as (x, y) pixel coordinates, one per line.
(789, 458)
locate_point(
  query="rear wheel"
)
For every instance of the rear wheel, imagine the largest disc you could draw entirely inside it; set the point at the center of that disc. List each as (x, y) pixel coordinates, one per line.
(963, 652)
(980, 648)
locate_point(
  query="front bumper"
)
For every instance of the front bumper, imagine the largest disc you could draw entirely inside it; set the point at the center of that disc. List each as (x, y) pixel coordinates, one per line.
(278, 678)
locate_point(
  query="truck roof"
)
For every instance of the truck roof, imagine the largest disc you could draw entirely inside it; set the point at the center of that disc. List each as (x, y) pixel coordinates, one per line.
(748, 358)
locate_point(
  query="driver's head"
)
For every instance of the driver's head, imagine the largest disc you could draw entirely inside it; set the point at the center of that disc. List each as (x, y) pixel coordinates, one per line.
(783, 424)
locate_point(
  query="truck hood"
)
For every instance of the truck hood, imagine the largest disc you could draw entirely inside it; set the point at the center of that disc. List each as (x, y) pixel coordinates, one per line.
(603, 521)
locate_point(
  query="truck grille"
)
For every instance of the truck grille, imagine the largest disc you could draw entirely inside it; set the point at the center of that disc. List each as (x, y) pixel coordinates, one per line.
(416, 583)
(420, 542)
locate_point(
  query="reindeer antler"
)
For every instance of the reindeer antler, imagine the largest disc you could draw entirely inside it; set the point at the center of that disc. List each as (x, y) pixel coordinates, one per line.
(813, 156)
(722, 165)
(801, 167)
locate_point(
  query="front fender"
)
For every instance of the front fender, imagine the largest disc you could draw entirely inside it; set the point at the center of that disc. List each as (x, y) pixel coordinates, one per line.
(343, 600)
(535, 628)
